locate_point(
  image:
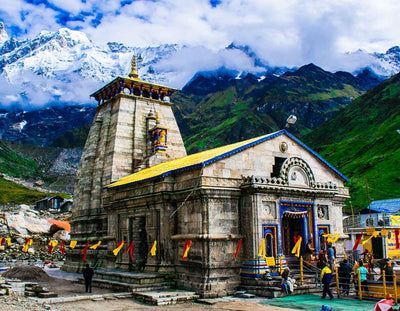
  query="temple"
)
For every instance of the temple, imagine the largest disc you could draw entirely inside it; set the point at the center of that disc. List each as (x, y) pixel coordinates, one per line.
(199, 218)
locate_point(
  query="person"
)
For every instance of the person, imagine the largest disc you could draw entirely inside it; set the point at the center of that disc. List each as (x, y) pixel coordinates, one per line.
(288, 283)
(363, 276)
(369, 260)
(331, 256)
(88, 276)
(326, 275)
(308, 256)
(344, 272)
(321, 259)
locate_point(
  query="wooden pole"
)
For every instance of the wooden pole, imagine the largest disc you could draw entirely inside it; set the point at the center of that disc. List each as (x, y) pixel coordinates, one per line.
(395, 287)
(359, 284)
(384, 284)
(301, 270)
(337, 282)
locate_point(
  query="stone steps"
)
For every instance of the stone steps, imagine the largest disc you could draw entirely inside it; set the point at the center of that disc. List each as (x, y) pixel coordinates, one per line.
(130, 281)
(165, 297)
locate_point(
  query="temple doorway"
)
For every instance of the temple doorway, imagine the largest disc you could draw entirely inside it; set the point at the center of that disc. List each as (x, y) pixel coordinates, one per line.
(292, 227)
(137, 233)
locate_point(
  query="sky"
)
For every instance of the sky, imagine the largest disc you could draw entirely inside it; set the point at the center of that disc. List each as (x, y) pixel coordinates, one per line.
(290, 32)
(281, 32)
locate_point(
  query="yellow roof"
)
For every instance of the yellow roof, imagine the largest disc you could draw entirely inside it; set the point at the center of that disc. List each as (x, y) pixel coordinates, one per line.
(190, 162)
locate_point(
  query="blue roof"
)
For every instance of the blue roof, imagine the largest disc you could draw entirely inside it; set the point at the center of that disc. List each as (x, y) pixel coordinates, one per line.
(385, 206)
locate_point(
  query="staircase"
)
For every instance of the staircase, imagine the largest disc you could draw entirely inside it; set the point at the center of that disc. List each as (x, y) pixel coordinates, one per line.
(269, 286)
(118, 280)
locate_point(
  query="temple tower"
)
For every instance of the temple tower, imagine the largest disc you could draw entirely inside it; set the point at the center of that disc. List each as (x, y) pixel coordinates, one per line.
(134, 128)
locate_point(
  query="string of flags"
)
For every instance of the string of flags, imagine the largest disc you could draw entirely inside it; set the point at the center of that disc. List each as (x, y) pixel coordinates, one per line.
(51, 246)
(331, 237)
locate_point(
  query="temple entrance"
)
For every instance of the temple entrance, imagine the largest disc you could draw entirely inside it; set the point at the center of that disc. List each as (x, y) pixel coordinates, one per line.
(291, 229)
(137, 233)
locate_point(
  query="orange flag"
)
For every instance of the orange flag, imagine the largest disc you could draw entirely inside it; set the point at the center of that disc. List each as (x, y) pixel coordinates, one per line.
(95, 246)
(119, 246)
(188, 244)
(153, 249)
(72, 244)
(28, 242)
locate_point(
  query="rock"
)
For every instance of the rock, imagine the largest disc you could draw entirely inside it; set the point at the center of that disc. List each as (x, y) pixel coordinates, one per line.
(47, 295)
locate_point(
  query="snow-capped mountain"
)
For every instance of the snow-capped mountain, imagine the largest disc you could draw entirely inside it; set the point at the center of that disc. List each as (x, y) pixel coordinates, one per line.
(3, 34)
(66, 66)
(53, 64)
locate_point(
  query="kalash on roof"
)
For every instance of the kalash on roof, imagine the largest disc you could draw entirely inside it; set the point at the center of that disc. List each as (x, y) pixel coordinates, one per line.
(132, 85)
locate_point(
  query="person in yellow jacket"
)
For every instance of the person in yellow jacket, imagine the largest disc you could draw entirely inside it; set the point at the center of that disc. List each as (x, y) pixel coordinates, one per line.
(326, 275)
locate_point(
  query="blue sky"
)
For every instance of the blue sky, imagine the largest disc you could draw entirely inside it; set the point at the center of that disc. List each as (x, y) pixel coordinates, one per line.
(290, 32)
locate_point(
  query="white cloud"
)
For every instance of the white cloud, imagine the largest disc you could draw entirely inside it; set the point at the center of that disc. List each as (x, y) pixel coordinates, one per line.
(290, 32)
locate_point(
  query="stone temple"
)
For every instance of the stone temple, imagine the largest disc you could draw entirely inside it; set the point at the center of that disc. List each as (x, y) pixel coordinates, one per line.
(137, 184)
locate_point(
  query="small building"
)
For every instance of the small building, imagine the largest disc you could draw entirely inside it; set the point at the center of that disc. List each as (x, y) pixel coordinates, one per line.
(49, 203)
(379, 222)
(66, 206)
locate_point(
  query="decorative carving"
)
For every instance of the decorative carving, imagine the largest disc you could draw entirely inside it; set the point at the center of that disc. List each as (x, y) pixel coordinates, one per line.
(269, 209)
(283, 147)
(291, 169)
(322, 212)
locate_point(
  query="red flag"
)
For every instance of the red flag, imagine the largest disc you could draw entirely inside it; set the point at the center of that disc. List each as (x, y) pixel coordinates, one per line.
(2, 241)
(188, 244)
(85, 250)
(130, 250)
(62, 247)
(50, 249)
(358, 241)
(396, 232)
(238, 247)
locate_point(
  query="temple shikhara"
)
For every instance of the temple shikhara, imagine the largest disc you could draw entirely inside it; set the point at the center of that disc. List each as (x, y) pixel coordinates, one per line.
(199, 218)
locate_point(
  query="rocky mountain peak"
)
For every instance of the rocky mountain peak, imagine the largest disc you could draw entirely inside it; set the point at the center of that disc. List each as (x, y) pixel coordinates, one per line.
(3, 34)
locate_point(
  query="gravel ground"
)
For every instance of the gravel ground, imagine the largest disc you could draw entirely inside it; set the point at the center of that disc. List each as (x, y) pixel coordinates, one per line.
(65, 285)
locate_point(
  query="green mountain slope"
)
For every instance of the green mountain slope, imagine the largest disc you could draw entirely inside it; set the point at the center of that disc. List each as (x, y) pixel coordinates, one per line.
(363, 143)
(248, 108)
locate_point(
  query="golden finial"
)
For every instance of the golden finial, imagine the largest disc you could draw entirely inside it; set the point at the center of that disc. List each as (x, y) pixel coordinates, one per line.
(133, 73)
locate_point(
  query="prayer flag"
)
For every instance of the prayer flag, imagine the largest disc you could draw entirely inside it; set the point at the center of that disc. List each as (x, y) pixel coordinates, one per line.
(261, 251)
(119, 246)
(85, 250)
(28, 242)
(9, 242)
(396, 233)
(130, 250)
(95, 246)
(297, 247)
(52, 244)
(72, 244)
(153, 249)
(358, 241)
(238, 247)
(2, 241)
(188, 244)
(62, 247)
(374, 235)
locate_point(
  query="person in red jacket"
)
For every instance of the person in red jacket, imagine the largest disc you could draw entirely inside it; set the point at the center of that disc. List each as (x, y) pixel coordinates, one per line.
(326, 275)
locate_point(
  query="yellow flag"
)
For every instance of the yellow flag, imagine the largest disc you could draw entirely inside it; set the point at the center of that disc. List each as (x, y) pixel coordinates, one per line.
(72, 244)
(374, 235)
(333, 237)
(153, 249)
(261, 251)
(9, 242)
(119, 246)
(95, 246)
(53, 243)
(27, 244)
(297, 247)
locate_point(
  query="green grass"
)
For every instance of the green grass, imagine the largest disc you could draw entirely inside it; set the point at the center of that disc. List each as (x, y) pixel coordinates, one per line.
(13, 193)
